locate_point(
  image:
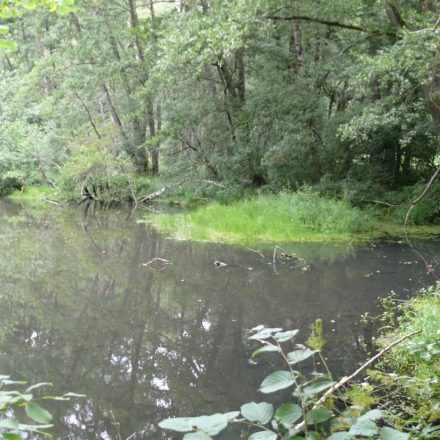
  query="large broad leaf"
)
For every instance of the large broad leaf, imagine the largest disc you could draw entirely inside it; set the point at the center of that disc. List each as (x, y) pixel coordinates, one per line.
(263, 435)
(278, 380)
(285, 336)
(9, 424)
(231, 415)
(257, 412)
(36, 413)
(392, 434)
(265, 333)
(179, 424)
(316, 387)
(300, 355)
(288, 413)
(266, 348)
(364, 427)
(11, 436)
(318, 415)
(212, 425)
(374, 414)
(199, 435)
(341, 436)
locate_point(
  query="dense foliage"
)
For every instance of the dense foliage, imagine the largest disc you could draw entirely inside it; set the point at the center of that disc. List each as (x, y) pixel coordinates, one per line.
(342, 95)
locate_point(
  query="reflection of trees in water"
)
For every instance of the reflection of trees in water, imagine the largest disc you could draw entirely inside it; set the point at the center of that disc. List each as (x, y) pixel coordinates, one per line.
(144, 343)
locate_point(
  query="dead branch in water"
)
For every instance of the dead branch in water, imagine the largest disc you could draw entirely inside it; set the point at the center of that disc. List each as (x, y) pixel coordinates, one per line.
(165, 189)
(165, 263)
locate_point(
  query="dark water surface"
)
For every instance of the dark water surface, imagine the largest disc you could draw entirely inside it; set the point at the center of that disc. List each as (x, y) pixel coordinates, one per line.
(84, 307)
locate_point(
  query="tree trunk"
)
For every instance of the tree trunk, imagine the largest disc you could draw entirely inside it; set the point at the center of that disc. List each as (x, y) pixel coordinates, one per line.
(296, 49)
(114, 115)
(434, 91)
(47, 81)
(241, 82)
(428, 5)
(393, 11)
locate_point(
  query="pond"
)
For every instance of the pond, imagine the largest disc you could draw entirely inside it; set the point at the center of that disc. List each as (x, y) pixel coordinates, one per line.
(149, 327)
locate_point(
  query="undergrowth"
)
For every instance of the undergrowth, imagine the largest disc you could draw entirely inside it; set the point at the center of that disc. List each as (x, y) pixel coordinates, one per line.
(415, 363)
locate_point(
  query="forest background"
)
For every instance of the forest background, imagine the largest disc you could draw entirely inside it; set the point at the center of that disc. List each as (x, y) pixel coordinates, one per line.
(341, 98)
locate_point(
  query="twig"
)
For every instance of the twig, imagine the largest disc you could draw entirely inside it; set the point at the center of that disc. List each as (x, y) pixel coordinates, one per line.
(252, 424)
(380, 202)
(54, 202)
(211, 182)
(347, 379)
(162, 260)
(257, 252)
(436, 25)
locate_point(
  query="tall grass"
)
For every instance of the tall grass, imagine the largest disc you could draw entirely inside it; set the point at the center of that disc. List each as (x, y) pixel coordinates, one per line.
(281, 218)
(33, 193)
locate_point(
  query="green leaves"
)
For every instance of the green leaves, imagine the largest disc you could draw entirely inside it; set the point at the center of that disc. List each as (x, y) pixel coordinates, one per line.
(276, 381)
(314, 387)
(263, 435)
(365, 424)
(392, 434)
(11, 436)
(37, 413)
(300, 355)
(199, 435)
(11, 399)
(179, 424)
(257, 412)
(210, 425)
(288, 414)
(285, 336)
(265, 333)
(266, 348)
(318, 415)
(276, 333)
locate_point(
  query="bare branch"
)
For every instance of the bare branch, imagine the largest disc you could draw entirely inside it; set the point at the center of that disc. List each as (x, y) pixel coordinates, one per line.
(334, 24)
(347, 379)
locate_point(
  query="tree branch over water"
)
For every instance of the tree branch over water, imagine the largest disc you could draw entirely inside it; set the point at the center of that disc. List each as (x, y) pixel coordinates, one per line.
(334, 24)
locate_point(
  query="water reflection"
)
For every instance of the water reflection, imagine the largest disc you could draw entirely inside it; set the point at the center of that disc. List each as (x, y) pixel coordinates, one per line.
(86, 306)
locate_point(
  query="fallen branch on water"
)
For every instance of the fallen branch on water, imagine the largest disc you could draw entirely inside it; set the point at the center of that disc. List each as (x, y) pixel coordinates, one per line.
(53, 202)
(165, 189)
(165, 263)
(347, 379)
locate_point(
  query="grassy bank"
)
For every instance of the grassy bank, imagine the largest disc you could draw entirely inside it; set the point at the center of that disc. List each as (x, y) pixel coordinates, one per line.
(285, 217)
(415, 364)
(31, 194)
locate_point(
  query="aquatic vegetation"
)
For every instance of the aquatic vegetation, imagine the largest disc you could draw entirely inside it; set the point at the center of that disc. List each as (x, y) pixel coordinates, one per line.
(281, 218)
(12, 399)
(415, 364)
(286, 217)
(311, 414)
(32, 194)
